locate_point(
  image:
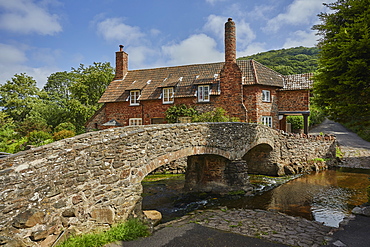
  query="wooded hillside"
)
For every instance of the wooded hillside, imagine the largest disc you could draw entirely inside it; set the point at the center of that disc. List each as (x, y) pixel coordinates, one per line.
(297, 60)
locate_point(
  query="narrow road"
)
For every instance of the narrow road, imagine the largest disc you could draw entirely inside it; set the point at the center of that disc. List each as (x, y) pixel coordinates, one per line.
(356, 151)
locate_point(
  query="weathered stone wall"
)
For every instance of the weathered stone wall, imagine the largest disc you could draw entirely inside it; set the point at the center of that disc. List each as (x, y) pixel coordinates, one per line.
(93, 180)
(292, 154)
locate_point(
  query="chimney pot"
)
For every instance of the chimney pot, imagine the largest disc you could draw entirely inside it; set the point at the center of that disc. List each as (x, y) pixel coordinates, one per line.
(120, 47)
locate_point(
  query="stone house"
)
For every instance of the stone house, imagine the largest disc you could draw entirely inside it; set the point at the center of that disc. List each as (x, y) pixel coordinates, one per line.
(246, 89)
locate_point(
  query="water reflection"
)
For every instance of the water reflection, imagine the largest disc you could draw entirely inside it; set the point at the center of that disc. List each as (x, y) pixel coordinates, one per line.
(327, 197)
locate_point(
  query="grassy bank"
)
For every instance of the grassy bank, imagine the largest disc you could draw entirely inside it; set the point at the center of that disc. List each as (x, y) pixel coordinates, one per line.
(127, 231)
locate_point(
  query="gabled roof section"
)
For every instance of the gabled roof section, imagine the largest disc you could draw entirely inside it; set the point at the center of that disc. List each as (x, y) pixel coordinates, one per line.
(182, 78)
(185, 79)
(255, 73)
(298, 82)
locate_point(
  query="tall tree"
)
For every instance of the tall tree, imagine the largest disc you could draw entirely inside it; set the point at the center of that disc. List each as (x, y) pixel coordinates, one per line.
(58, 84)
(73, 96)
(19, 96)
(342, 85)
(91, 82)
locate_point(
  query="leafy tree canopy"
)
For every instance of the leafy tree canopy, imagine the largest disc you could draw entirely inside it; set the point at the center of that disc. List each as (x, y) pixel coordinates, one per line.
(342, 85)
(297, 60)
(18, 96)
(70, 97)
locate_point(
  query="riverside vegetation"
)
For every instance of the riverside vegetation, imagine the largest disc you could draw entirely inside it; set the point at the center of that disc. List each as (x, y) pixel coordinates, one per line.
(127, 231)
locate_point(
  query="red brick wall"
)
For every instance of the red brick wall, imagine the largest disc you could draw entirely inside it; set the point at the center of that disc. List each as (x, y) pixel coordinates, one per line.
(257, 108)
(294, 100)
(231, 98)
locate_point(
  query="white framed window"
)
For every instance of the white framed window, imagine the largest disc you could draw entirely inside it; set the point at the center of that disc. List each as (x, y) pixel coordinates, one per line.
(135, 121)
(134, 97)
(266, 96)
(167, 95)
(203, 93)
(267, 120)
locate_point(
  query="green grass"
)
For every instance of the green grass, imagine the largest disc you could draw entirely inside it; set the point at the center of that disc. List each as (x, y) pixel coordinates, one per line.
(338, 153)
(157, 177)
(127, 231)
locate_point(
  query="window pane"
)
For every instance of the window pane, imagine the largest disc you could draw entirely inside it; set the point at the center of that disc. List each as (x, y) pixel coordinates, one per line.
(206, 93)
(265, 95)
(134, 96)
(203, 93)
(168, 95)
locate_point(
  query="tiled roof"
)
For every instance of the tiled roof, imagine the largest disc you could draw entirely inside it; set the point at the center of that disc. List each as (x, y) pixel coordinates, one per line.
(185, 79)
(298, 82)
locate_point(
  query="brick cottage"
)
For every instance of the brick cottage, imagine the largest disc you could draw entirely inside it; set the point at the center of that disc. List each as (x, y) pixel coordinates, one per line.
(246, 89)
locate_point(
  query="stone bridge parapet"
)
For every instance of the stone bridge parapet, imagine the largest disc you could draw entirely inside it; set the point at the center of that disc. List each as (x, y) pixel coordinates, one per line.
(94, 180)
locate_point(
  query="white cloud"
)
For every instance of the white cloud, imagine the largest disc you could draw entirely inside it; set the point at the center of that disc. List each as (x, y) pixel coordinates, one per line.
(215, 25)
(142, 56)
(301, 38)
(299, 12)
(25, 16)
(245, 34)
(113, 29)
(40, 74)
(198, 48)
(11, 55)
(214, 1)
(251, 49)
(13, 59)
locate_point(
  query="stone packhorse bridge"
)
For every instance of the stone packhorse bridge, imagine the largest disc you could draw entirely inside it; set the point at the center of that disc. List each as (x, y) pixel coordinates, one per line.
(94, 180)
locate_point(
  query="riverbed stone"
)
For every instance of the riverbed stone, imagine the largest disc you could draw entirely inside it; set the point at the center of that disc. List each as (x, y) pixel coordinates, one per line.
(153, 215)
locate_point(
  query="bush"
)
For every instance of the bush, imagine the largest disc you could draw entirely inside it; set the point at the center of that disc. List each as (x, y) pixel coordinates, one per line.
(176, 111)
(296, 122)
(65, 126)
(63, 134)
(38, 138)
(316, 116)
(217, 115)
(13, 146)
(32, 123)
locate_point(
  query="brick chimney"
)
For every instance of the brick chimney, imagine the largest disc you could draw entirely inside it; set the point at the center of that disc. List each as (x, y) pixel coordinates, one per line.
(231, 97)
(230, 41)
(121, 63)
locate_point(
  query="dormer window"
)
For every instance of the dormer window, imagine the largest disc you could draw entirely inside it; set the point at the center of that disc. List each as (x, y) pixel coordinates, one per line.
(167, 95)
(134, 97)
(203, 93)
(266, 97)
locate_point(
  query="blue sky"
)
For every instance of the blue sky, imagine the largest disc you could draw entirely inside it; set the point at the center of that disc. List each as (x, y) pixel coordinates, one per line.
(40, 37)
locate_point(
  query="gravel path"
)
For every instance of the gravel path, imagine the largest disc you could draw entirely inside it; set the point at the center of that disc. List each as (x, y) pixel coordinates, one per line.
(356, 151)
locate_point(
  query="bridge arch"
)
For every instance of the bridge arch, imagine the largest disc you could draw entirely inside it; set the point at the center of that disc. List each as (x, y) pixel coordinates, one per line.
(260, 160)
(186, 152)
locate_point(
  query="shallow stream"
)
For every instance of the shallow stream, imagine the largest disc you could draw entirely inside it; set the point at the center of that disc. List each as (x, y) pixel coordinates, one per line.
(327, 196)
